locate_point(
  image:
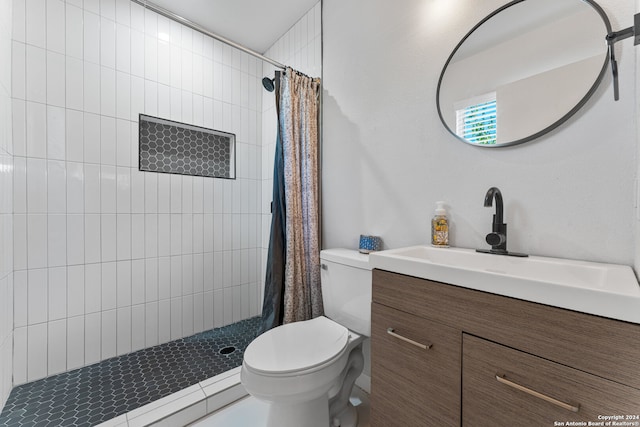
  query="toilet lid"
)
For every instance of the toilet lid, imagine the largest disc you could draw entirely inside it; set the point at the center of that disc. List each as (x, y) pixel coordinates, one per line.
(296, 346)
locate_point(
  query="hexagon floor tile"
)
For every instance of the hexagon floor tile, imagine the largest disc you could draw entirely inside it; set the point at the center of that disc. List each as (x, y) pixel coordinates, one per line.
(97, 393)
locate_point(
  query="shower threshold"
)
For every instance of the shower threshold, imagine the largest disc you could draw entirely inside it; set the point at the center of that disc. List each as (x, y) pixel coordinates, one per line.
(162, 385)
(185, 406)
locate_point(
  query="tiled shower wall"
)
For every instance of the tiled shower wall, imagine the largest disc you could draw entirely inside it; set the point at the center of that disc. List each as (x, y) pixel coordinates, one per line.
(6, 208)
(109, 259)
(300, 48)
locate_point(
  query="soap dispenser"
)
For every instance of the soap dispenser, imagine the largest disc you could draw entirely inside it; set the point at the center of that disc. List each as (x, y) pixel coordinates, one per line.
(440, 227)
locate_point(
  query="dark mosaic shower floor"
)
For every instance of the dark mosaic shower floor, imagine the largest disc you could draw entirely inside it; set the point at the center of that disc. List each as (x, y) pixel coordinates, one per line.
(100, 392)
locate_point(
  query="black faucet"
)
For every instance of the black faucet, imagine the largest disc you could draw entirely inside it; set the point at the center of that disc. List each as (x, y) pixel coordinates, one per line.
(498, 236)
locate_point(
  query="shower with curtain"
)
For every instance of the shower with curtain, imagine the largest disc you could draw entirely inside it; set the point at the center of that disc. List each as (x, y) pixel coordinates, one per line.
(155, 277)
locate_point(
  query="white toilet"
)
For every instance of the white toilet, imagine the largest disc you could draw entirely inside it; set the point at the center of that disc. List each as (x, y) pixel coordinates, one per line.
(305, 371)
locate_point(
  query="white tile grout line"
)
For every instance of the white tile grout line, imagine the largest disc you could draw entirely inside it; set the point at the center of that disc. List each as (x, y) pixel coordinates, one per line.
(172, 404)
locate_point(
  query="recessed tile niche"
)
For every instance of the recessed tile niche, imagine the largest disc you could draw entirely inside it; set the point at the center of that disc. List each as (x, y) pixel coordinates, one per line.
(172, 147)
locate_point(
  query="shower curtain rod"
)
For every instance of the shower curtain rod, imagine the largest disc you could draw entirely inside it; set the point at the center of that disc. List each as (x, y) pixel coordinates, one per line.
(168, 14)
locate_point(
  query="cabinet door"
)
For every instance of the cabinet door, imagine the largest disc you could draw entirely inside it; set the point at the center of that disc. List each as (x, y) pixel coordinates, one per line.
(502, 386)
(412, 386)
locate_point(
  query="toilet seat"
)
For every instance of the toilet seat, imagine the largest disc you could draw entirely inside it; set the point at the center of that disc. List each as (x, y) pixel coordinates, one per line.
(296, 347)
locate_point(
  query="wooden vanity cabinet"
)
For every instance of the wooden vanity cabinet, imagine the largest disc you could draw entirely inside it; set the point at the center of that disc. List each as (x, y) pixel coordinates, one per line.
(494, 360)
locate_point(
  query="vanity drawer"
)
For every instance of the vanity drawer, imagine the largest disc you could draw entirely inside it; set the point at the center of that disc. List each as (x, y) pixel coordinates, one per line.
(413, 383)
(502, 386)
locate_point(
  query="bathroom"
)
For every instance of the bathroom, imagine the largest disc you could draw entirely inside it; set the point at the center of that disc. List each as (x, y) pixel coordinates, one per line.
(386, 160)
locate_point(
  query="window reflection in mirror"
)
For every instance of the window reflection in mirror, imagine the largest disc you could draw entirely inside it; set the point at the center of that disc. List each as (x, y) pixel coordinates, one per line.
(476, 119)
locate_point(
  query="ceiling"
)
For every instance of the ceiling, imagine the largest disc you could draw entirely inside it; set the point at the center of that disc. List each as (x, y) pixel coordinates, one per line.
(255, 24)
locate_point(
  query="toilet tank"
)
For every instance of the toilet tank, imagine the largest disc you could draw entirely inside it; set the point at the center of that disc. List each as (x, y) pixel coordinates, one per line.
(346, 288)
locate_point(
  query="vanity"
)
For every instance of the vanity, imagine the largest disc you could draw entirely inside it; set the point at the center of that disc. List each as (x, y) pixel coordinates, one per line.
(462, 338)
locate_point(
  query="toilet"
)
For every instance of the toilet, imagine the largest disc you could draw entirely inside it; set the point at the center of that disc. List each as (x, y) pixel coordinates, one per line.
(305, 371)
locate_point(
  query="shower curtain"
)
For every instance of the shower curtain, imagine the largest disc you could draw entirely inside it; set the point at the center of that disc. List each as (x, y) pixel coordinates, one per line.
(292, 286)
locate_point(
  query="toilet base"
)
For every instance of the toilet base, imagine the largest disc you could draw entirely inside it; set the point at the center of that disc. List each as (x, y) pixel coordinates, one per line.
(314, 413)
(347, 418)
(341, 411)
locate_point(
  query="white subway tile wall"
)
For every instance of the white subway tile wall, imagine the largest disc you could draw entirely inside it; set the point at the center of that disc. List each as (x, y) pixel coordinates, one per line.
(108, 259)
(6, 198)
(301, 49)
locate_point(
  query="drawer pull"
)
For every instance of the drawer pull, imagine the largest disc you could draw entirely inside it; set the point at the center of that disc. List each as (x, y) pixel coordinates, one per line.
(410, 341)
(549, 399)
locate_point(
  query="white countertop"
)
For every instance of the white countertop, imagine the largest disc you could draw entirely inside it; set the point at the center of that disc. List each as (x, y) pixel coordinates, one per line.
(608, 290)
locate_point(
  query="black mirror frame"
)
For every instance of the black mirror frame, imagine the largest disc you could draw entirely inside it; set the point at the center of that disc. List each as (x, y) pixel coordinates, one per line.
(558, 122)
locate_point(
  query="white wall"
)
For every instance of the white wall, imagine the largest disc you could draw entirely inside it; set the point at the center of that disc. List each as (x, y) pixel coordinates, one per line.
(387, 158)
(6, 208)
(301, 49)
(108, 259)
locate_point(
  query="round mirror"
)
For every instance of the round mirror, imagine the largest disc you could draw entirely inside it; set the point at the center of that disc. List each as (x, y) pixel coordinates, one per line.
(523, 71)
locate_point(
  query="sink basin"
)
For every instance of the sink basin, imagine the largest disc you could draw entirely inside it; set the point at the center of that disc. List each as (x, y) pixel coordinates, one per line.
(608, 290)
(552, 270)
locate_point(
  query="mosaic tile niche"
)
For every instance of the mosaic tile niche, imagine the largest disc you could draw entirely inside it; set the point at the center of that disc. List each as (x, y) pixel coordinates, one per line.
(172, 147)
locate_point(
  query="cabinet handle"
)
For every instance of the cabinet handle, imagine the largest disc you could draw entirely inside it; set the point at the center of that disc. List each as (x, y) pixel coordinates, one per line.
(534, 393)
(410, 341)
